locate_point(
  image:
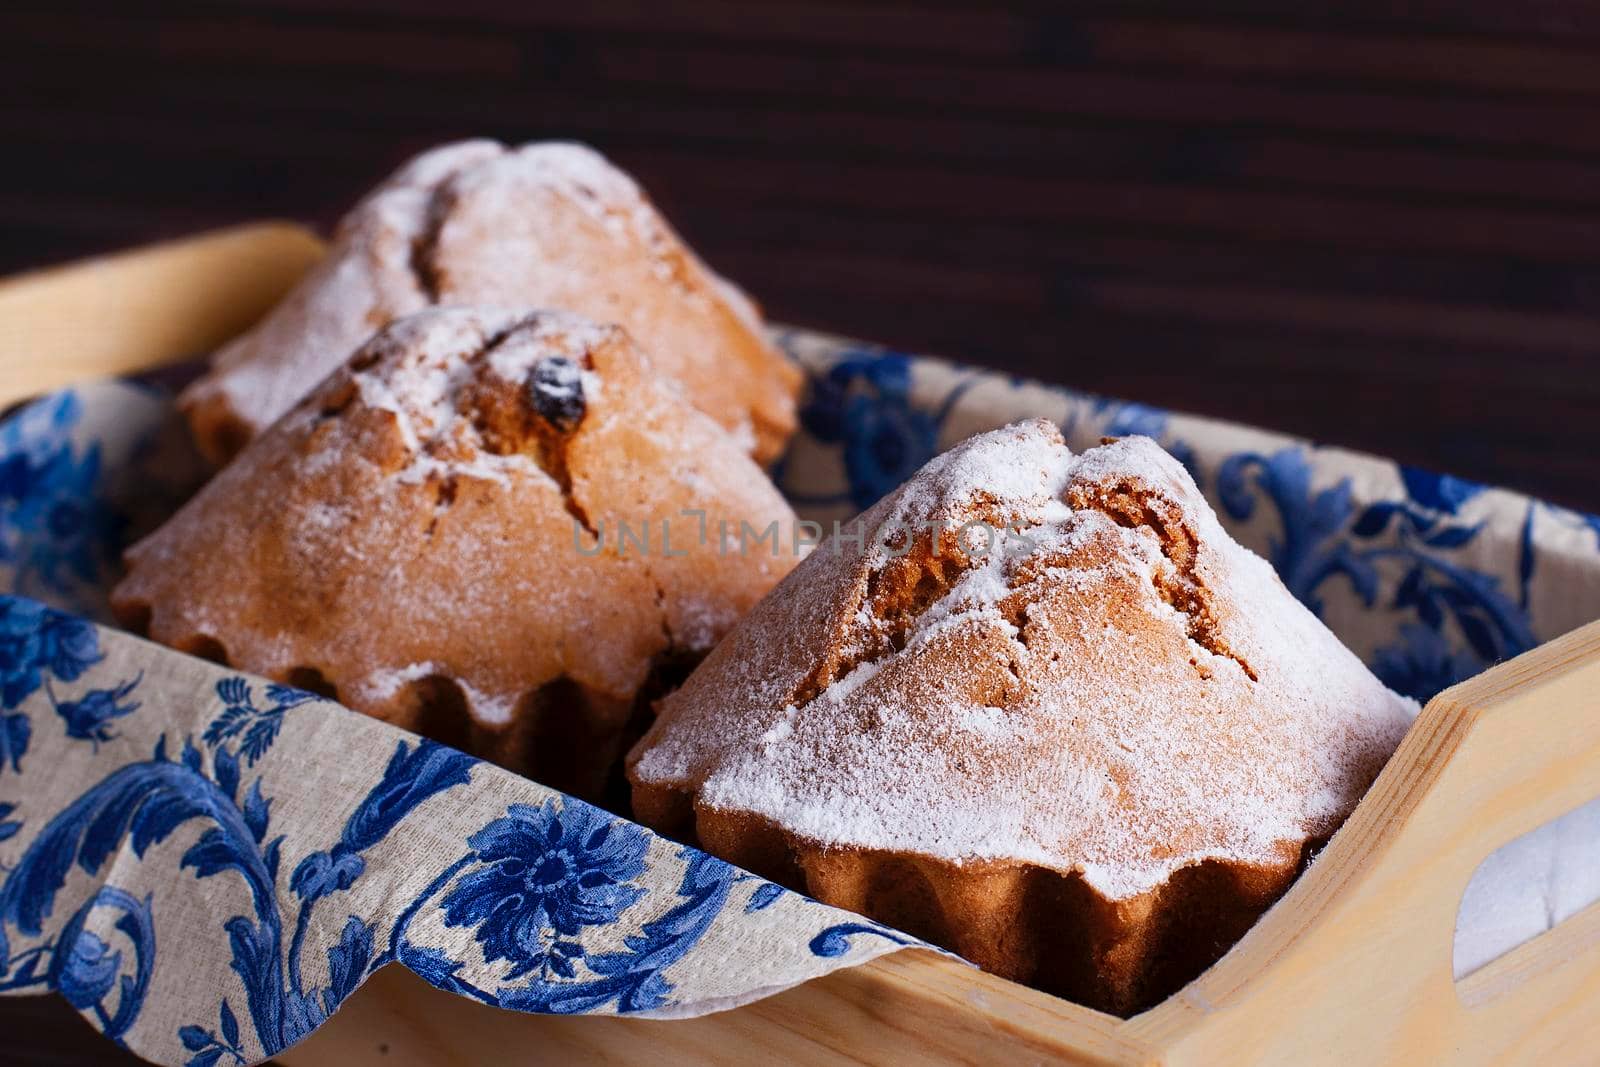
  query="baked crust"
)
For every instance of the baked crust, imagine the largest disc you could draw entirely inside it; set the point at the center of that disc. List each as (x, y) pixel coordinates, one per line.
(547, 225)
(433, 536)
(1086, 760)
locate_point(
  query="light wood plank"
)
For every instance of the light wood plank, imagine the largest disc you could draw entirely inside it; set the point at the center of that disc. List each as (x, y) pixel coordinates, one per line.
(912, 1007)
(142, 309)
(1354, 964)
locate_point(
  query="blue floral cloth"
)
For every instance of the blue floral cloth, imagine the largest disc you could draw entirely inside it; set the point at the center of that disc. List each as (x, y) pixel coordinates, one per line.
(206, 864)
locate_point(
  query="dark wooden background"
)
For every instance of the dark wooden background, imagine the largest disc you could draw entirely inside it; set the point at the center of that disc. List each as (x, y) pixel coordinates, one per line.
(1374, 223)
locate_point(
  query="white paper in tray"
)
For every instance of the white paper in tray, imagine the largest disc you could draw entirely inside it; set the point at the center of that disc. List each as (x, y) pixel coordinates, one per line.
(206, 864)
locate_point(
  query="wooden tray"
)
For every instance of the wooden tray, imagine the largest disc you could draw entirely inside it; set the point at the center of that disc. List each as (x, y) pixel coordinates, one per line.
(1353, 966)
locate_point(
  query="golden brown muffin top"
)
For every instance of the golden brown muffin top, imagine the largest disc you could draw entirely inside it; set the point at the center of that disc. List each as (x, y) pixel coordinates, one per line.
(1038, 658)
(547, 225)
(449, 504)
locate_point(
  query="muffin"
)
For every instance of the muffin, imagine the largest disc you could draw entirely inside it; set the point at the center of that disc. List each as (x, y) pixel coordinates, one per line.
(1044, 712)
(549, 225)
(487, 527)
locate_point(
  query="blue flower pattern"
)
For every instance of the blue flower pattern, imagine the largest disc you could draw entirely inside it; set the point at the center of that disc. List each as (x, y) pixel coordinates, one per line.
(864, 403)
(544, 875)
(37, 642)
(57, 530)
(38, 646)
(533, 886)
(1323, 537)
(256, 727)
(89, 717)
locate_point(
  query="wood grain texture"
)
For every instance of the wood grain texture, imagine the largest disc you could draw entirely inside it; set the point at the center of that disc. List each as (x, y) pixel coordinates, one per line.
(145, 308)
(1354, 964)
(909, 1008)
(1372, 224)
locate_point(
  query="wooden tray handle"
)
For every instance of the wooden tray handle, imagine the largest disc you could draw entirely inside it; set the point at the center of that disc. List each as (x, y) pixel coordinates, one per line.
(136, 310)
(1357, 958)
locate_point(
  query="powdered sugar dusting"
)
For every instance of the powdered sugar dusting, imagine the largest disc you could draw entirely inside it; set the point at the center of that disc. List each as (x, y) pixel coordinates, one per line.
(365, 281)
(1062, 703)
(488, 708)
(384, 684)
(422, 389)
(544, 225)
(582, 176)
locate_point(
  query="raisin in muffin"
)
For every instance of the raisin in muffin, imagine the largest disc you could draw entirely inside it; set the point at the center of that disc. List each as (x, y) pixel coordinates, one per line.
(549, 225)
(1050, 716)
(433, 536)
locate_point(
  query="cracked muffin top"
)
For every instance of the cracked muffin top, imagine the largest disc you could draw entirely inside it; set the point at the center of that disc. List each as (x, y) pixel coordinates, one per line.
(549, 225)
(446, 510)
(1031, 658)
